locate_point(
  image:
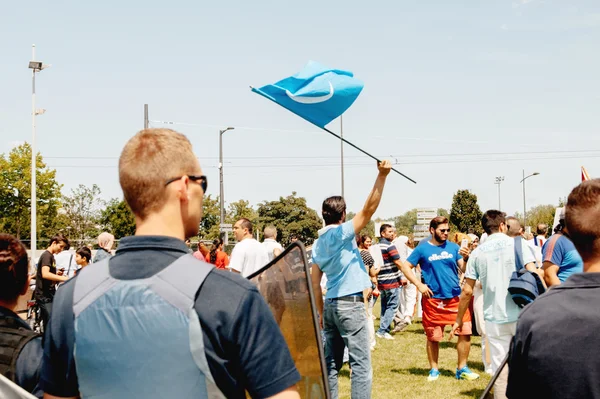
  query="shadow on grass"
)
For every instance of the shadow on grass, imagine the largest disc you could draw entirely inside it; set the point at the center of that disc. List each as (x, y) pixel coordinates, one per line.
(344, 373)
(473, 393)
(476, 366)
(421, 371)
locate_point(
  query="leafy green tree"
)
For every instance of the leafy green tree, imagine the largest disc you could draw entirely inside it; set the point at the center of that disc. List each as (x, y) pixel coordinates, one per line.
(209, 225)
(118, 219)
(81, 211)
(405, 223)
(290, 215)
(465, 214)
(539, 214)
(15, 194)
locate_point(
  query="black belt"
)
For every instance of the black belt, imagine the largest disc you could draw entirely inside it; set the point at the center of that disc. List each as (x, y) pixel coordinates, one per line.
(350, 298)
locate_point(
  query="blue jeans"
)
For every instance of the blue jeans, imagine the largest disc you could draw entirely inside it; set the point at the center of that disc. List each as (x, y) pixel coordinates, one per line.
(345, 325)
(389, 305)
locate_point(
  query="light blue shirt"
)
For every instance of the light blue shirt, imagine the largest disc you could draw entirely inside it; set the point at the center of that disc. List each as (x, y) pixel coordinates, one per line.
(337, 255)
(493, 263)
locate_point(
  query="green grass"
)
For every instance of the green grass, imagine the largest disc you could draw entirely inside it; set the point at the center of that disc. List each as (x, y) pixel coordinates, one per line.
(400, 368)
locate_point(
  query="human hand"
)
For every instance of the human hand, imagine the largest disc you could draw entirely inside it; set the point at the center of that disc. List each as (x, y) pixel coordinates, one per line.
(455, 330)
(424, 289)
(464, 252)
(384, 167)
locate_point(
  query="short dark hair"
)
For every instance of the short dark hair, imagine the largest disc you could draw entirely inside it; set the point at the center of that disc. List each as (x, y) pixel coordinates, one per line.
(491, 221)
(581, 218)
(246, 224)
(59, 238)
(542, 229)
(85, 252)
(384, 227)
(333, 209)
(436, 221)
(13, 267)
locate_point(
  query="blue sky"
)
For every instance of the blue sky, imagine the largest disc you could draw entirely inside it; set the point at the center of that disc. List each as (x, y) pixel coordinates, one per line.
(455, 92)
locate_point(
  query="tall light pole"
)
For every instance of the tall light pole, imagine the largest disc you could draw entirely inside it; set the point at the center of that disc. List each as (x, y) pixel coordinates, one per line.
(224, 234)
(499, 180)
(524, 206)
(35, 66)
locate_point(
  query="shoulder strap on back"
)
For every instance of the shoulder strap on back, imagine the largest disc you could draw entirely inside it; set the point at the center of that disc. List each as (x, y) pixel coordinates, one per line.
(183, 279)
(518, 253)
(91, 283)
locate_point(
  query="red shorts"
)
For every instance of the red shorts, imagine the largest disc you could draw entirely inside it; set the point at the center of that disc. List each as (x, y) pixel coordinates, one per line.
(438, 313)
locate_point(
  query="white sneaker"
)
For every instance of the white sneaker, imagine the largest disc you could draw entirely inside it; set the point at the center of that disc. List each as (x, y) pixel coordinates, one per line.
(384, 336)
(408, 320)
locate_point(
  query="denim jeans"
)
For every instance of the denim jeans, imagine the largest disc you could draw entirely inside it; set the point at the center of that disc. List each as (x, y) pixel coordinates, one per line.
(389, 305)
(345, 325)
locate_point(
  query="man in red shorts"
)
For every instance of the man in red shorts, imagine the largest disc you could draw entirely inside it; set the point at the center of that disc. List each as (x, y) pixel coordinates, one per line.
(440, 260)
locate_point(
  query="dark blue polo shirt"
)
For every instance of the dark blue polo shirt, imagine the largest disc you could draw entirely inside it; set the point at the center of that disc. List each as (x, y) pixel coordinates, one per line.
(555, 349)
(244, 346)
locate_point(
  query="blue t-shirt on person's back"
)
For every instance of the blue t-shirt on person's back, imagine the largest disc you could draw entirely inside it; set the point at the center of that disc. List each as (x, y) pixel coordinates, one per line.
(337, 255)
(561, 251)
(438, 267)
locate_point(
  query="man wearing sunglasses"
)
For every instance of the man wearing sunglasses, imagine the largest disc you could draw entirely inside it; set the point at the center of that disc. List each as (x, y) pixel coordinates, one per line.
(153, 321)
(439, 260)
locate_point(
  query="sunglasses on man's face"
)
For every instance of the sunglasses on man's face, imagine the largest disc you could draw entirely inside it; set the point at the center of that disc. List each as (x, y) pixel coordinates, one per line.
(444, 230)
(195, 178)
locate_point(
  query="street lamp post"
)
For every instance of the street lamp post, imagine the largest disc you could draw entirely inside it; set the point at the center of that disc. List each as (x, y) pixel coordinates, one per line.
(35, 66)
(524, 206)
(499, 180)
(224, 235)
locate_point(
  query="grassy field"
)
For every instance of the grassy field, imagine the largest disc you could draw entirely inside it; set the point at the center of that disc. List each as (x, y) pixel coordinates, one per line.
(400, 368)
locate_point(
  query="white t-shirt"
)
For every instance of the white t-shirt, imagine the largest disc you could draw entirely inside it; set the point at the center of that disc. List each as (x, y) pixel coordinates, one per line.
(270, 246)
(248, 256)
(66, 259)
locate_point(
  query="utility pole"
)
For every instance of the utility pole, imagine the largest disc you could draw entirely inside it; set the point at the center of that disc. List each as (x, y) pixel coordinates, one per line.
(499, 180)
(36, 67)
(146, 116)
(222, 230)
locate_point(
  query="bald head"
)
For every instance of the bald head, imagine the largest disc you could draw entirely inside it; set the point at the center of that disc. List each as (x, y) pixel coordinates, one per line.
(514, 226)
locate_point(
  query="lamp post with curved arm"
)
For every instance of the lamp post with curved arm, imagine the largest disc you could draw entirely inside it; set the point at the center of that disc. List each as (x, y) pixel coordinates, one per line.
(524, 206)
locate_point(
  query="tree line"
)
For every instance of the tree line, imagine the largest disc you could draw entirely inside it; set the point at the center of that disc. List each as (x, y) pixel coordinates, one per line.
(82, 214)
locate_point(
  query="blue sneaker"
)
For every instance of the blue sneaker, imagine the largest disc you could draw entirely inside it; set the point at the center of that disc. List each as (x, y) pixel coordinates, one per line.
(433, 375)
(466, 374)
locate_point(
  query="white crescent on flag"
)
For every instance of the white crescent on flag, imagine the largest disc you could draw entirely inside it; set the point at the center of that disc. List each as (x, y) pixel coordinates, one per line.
(311, 100)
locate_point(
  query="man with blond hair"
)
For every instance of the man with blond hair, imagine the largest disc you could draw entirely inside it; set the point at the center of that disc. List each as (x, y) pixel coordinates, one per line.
(153, 321)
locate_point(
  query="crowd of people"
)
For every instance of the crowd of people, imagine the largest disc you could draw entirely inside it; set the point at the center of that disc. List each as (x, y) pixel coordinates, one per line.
(216, 335)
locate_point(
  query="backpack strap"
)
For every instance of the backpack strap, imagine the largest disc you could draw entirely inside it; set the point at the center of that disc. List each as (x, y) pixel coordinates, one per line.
(92, 282)
(518, 253)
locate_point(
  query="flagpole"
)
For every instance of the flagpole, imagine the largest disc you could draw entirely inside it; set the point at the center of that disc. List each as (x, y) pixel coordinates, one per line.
(366, 153)
(342, 150)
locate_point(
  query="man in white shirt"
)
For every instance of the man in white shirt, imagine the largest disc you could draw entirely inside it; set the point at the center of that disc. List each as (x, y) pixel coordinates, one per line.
(408, 294)
(66, 260)
(248, 255)
(272, 247)
(493, 263)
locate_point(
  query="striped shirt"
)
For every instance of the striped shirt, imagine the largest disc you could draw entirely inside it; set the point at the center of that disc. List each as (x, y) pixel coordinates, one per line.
(389, 276)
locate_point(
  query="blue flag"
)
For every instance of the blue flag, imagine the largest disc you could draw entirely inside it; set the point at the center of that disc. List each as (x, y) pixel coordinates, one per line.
(317, 94)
